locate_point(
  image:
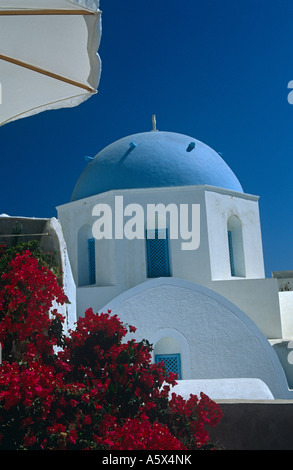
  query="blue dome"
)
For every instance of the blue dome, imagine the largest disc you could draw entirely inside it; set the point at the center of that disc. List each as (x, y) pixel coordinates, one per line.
(154, 160)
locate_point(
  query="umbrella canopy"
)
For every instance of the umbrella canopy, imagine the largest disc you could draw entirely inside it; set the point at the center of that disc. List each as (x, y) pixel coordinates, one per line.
(48, 55)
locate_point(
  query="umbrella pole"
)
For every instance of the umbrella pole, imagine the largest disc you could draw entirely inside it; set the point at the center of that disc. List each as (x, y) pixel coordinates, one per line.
(45, 72)
(46, 12)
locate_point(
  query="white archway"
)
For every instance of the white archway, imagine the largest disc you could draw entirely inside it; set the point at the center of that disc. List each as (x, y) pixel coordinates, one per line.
(170, 341)
(223, 341)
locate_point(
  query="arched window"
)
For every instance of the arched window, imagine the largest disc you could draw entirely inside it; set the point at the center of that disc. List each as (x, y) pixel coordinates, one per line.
(86, 257)
(92, 260)
(157, 253)
(168, 351)
(235, 244)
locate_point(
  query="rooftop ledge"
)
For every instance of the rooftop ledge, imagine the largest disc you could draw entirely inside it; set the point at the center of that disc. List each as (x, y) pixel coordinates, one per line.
(121, 192)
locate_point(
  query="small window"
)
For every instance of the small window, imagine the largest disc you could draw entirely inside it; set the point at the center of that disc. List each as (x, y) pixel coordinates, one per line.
(157, 253)
(235, 246)
(172, 363)
(231, 256)
(92, 261)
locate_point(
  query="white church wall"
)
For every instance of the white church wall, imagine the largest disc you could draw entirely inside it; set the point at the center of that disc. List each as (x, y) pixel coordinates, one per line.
(84, 233)
(285, 285)
(284, 350)
(220, 206)
(106, 262)
(124, 260)
(222, 341)
(69, 218)
(132, 253)
(77, 221)
(224, 389)
(258, 298)
(95, 297)
(191, 264)
(121, 264)
(286, 307)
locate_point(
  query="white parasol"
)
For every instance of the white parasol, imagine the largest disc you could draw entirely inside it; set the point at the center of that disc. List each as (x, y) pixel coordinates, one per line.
(48, 55)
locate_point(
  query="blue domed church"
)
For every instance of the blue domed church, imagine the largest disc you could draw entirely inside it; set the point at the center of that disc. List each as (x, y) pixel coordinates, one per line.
(160, 231)
(154, 160)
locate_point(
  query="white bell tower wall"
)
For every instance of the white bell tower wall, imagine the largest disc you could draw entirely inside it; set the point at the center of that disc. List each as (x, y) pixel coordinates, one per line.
(234, 235)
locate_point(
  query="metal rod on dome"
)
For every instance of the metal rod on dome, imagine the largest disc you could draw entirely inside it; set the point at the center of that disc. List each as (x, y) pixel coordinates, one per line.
(154, 123)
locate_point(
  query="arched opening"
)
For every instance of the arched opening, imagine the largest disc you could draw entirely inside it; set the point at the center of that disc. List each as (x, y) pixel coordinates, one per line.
(86, 256)
(168, 351)
(235, 244)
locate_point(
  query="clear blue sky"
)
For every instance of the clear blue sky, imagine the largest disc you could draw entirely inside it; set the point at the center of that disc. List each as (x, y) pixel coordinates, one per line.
(216, 70)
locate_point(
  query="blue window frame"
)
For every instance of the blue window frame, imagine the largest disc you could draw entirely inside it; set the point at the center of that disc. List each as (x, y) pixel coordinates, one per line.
(172, 363)
(231, 254)
(157, 253)
(92, 261)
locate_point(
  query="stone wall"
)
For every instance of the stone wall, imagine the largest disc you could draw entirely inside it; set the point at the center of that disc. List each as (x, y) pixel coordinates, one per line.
(255, 425)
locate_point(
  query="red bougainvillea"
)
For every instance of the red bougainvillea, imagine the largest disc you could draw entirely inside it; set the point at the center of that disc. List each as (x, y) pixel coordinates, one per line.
(99, 391)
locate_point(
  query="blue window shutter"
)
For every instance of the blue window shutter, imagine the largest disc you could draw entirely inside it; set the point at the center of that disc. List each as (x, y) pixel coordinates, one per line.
(157, 253)
(172, 363)
(92, 261)
(231, 255)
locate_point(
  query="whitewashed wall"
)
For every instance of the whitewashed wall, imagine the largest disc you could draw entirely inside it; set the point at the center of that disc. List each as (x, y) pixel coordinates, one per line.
(217, 339)
(121, 264)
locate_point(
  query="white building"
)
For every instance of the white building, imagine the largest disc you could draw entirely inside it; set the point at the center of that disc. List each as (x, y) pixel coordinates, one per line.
(207, 308)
